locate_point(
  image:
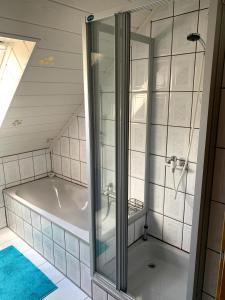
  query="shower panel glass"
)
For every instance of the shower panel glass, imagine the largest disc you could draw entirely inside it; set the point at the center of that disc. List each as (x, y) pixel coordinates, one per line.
(118, 84)
(102, 63)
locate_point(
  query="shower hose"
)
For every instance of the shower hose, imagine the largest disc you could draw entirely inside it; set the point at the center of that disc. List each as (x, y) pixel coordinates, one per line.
(192, 130)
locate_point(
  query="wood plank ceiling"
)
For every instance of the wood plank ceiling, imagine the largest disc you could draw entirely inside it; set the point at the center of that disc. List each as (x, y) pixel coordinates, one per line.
(51, 87)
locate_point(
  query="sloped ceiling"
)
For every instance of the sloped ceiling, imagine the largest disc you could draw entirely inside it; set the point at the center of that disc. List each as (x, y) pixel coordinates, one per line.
(52, 85)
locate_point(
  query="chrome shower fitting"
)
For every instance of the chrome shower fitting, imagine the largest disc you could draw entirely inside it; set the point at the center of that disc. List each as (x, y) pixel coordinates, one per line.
(175, 163)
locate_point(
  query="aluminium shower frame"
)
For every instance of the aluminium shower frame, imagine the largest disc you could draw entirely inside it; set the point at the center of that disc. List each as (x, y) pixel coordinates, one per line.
(198, 233)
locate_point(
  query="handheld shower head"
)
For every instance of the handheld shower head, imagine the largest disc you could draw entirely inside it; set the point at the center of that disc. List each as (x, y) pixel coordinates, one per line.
(195, 37)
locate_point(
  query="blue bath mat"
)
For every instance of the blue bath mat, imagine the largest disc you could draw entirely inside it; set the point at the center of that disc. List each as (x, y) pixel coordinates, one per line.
(20, 279)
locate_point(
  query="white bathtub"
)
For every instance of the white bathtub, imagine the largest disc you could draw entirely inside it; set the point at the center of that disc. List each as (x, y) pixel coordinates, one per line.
(45, 197)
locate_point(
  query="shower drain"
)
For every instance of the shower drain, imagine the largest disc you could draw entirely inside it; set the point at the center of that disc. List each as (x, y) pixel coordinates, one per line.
(151, 266)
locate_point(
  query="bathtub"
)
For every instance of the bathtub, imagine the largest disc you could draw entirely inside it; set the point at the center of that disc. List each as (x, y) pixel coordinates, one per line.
(62, 202)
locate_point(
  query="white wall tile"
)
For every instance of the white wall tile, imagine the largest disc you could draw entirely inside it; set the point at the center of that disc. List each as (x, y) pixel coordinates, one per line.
(188, 211)
(159, 108)
(198, 65)
(158, 137)
(204, 3)
(157, 169)
(19, 226)
(211, 272)
(177, 174)
(139, 227)
(139, 75)
(83, 153)
(172, 232)
(178, 141)
(73, 268)
(198, 113)
(26, 214)
(11, 171)
(57, 164)
(108, 157)
(203, 27)
(36, 220)
(180, 109)
(181, 6)
(85, 279)
(191, 175)
(48, 162)
(75, 169)
(162, 34)
(174, 207)
(137, 137)
(137, 161)
(38, 242)
(2, 176)
(108, 132)
(40, 166)
(156, 199)
(26, 167)
(82, 132)
(138, 107)
(72, 244)
(155, 224)
(194, 148)
(139, 50)
(83, 172)
(161, 74)
(2, 217)
(73, 128)
(85, 253)
(108, 106)
(28, 233)
(74, 149)
(186, 243)
(60, 258)
(58, 235)
(46, 227)
(183, 26)
(137, 189)
(1, 196)
(48, 249)
(66, 167)
(182, 72)
(65, 146)
(130, 234)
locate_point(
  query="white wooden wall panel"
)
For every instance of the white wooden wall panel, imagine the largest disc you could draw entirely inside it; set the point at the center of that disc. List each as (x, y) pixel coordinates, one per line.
(48, 94)
(45, 89)
(61, 59)
(47, 100)
(43, 13)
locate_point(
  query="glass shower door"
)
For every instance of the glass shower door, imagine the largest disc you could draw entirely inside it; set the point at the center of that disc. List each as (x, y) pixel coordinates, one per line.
(103, 88)
(107, 104)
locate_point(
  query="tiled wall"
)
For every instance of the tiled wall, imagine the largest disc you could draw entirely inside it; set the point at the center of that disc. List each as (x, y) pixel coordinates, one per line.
(21, 168)
(175, 85)
(69, 150)
(217, 207)
(65, 251)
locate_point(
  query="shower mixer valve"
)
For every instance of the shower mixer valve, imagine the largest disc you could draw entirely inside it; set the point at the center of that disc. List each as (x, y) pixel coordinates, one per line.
(175, 163)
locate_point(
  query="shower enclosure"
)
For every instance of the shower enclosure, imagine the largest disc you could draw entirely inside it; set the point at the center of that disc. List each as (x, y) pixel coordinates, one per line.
(126, 71)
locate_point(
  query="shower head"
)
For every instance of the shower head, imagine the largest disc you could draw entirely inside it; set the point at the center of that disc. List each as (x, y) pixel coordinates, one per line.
(195, 37)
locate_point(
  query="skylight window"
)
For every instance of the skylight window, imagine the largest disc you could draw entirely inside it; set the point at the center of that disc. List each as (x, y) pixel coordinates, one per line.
(14, 56)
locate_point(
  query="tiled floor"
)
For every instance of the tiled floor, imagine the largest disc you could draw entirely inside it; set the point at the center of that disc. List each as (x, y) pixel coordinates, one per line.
(66, 289)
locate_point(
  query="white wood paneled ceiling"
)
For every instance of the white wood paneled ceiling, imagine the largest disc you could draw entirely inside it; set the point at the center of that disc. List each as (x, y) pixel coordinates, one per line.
(51, 88)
